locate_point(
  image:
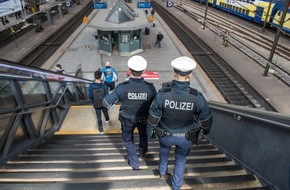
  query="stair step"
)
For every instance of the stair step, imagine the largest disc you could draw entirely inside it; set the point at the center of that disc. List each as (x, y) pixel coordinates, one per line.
(100, 162)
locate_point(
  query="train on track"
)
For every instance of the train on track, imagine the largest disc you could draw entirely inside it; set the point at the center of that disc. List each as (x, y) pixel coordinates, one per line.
(255, 10)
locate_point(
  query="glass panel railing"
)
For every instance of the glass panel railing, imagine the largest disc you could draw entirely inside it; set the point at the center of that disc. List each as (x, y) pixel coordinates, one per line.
(33, 84)
(7, 99)
(56, 87)
(33, 91)
(34, 103)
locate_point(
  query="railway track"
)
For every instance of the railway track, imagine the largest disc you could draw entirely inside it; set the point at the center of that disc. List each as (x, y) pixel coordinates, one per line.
(233, 87)
(72, 163)
(45, 50)
(239, 30)
(242, 38)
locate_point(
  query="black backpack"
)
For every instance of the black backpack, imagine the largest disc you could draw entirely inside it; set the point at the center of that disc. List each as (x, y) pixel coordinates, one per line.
(98, 95)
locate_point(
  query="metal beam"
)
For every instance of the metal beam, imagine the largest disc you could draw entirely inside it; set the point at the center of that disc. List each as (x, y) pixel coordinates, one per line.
(279, 29)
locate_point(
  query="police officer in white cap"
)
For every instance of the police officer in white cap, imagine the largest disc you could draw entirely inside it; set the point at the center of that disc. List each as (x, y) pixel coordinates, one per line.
(174, 116)
(135, 96)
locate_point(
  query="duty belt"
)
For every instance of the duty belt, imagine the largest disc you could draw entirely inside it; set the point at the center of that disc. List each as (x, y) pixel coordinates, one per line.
(174, 134)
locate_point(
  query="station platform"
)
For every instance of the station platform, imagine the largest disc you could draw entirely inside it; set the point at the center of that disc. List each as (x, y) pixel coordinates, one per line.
(23, 45)
(83, 45)
(24, 15)
(82, 48)
(274, 90)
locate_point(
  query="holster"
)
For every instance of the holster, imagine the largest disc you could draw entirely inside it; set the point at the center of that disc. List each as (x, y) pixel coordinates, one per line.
(194, 135)
(121, 119)
(198, 137)
(159, 132)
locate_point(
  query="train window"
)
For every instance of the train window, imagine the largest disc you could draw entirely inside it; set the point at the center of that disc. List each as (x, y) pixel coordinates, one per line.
(240, 10)
(247, 12)
(243, 11)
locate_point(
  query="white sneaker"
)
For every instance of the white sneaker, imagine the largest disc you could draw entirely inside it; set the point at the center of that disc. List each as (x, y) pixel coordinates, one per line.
(101, 133)
(107, 121)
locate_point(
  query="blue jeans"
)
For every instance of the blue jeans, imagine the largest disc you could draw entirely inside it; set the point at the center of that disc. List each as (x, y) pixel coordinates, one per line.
(182, 149)
(99, 117)
(128, 127)
(158, 43)
(110, 85)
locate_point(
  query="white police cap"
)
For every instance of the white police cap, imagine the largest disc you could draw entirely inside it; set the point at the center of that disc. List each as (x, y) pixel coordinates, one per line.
(183, 65)
(137, 63)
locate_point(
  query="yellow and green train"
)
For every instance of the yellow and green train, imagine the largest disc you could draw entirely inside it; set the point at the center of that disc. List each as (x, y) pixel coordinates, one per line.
(256, 10)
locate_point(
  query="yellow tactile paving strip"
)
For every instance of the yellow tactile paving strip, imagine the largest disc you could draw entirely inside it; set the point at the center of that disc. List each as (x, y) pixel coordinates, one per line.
(82, 120)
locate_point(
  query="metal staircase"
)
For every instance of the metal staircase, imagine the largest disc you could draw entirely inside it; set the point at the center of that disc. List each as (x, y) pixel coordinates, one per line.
(99, 162)
(238, 153)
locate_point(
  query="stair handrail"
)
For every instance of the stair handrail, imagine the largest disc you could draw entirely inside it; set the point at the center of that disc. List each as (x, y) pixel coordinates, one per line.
(7, 67)
(78, 70)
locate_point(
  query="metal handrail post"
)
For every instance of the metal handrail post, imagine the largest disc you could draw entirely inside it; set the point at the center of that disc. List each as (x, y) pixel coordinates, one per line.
(279, 29)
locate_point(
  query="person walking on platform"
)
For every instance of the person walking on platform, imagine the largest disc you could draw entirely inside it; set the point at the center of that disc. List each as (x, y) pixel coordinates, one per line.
(174, 116)
(59, 69)
(109, 76)
(18, 15)
(27, 9)
(4, 20)
(135, 96)
(159, 38)
(97, 91)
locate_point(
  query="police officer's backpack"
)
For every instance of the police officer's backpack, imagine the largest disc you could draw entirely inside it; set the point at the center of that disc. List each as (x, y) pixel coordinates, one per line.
(98, 95)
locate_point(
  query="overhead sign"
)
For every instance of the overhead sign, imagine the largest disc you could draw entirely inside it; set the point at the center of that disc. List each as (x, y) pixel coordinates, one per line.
(100, 5)
(68, 3)
(144, 5)
(169, 4)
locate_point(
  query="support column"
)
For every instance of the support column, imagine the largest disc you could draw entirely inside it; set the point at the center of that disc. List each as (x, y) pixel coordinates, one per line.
(49, 16)
(60, 10)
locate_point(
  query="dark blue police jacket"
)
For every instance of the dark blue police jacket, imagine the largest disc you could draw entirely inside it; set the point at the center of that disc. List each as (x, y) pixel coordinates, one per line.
(135, 95)
(175, 110)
